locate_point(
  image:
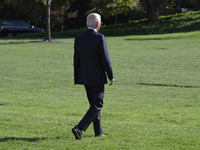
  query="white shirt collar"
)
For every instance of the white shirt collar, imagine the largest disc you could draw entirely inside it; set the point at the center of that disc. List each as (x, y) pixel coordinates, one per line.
(92, 28)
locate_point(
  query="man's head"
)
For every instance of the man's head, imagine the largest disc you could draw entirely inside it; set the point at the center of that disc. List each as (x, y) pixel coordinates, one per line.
(94, 21)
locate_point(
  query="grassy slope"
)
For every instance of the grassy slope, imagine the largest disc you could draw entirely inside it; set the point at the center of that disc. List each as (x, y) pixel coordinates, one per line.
(183, 22)
(154, 103)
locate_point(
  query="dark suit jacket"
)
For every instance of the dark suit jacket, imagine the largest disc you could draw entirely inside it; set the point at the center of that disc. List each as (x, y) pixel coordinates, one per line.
(91, 59)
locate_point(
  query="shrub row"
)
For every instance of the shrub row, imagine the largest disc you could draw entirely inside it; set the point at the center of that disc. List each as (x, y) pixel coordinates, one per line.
(183, 22)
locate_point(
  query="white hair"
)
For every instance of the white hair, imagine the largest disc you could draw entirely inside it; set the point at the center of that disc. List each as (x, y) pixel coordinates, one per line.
(92, 20)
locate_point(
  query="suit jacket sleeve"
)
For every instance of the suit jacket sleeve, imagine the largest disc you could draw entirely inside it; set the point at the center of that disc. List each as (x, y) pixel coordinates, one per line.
(106, 58)
(76, 64)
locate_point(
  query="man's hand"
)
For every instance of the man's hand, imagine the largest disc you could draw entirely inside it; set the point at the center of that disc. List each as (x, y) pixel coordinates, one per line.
(111, 81)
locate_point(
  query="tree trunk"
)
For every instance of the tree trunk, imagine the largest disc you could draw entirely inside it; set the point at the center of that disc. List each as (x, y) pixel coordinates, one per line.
(115, 20)
(48, 23)
(62, 19)
(153, 14)
(152, 9)
(197, 6)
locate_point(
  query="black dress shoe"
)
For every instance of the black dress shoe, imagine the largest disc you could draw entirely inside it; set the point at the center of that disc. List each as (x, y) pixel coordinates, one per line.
(100, 135)
(77, 133)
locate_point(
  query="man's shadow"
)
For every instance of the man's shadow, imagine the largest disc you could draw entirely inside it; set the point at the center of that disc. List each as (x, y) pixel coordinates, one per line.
(168, 85)
(26, 139)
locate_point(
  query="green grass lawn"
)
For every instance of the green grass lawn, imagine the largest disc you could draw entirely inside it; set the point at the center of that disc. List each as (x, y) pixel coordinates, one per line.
(154, 103)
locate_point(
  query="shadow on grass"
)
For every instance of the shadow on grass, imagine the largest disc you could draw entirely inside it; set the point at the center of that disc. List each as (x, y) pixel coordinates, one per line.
(166, 85)
(26, 42)
(148, 39)
(52, 42)
(26, 139)
(161, 38)
(20, 42)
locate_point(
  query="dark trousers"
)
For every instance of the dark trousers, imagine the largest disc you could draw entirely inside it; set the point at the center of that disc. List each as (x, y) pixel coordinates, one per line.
(95, 96)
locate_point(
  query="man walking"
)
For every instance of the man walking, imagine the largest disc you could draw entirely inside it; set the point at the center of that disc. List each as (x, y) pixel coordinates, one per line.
(92, 66)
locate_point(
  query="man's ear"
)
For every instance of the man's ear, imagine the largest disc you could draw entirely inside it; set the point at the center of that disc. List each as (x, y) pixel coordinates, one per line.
(96, 26)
